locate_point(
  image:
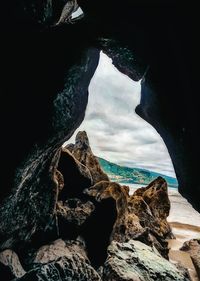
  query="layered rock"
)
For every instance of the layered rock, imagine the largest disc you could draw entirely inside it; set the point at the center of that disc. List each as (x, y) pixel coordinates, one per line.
(76, 176)
(61, 261)
(138, 216)
(193, 248)
(135, 261)
(127, 225)
(84, 218)
(81, 150)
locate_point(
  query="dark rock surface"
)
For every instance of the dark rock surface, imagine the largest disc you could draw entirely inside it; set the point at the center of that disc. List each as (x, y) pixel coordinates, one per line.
(36, 57)
(66, 235)
(140, 216)
(62, 261)
(83, 153)
(76, 176)
(135, 261)
(10, 260)
(193, 248)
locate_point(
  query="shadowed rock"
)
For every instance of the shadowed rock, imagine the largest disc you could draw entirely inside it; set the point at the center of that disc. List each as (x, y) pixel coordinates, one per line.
(193, 248)
(11, 260)
(154, 205)
(135, 218)
(135, 261)
(62, 261)
(76, 176)
(83, 153)
(127, 225)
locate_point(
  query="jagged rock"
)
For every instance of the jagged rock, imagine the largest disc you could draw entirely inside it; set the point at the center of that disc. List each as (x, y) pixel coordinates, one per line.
(193, 248)
(62, 261)
(74, 210)
(29, 209)
(135, 219)
(83, 153)
(127, 225)
(135, 261)
(155, 195)
(76, 176)
(152, 205)
(10, 259)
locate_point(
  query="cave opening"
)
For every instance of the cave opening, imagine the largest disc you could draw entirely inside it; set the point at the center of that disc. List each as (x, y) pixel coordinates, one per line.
(117, 135)
(122, 140)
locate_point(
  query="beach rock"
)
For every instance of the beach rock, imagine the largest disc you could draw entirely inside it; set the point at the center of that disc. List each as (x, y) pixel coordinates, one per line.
(62, 261)
(59, 248)
(127, 225)
(193, 248)
(135, 261)
(155, 195)
(81, 150)
(135, 218)
(10, 259)
(76, 176)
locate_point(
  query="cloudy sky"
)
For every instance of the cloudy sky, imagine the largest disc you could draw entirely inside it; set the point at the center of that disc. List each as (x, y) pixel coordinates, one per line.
(115, 131)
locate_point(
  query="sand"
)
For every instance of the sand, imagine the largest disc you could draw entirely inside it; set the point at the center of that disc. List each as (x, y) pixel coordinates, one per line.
(185, 223)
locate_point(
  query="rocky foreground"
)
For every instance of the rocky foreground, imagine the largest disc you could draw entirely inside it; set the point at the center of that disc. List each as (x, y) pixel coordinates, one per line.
(85, 227)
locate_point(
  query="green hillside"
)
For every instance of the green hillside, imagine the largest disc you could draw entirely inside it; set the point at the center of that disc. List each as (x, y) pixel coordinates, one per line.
(132, 175)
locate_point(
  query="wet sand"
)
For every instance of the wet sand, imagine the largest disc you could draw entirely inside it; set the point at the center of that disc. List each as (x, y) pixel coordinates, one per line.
(185, 223)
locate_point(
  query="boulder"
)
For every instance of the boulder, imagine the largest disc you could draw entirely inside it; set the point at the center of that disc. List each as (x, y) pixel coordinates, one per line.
(135, 219)
(11, 260)
(127, 225)
(193, 248)
(76, 176)
(135, 261)
(61, 261)
(152, 202)
(82, 151)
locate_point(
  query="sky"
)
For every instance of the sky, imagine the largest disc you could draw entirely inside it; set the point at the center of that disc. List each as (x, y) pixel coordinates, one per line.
(116, 133)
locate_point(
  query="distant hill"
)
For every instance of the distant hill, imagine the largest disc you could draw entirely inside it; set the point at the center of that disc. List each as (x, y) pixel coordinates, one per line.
(132, 175)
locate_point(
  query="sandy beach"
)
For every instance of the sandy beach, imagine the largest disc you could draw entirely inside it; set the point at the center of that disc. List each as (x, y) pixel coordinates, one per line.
(185, 223)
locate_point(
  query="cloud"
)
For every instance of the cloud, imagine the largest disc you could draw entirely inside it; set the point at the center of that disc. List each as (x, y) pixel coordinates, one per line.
(115, 131)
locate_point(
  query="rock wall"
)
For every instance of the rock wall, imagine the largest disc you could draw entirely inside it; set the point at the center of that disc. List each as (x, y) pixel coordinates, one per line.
(86, 231)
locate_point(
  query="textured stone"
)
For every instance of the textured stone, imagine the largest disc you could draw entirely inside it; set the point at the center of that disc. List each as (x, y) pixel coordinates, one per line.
(76, 176)
(83, 153)
(62, 261)
(135, 261)
(193, 248)
(10, 259)
(157, 207)
(135, 219)
(127, 225)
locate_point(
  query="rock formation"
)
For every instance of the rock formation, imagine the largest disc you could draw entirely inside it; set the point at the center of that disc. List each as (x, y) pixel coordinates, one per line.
(153, 203)
(135, 261)
(10, 259)
(72, 219)
(193, 248)
(61, 261)
(45, 79)
(138, 216)
(82, 152)
(127, 225)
